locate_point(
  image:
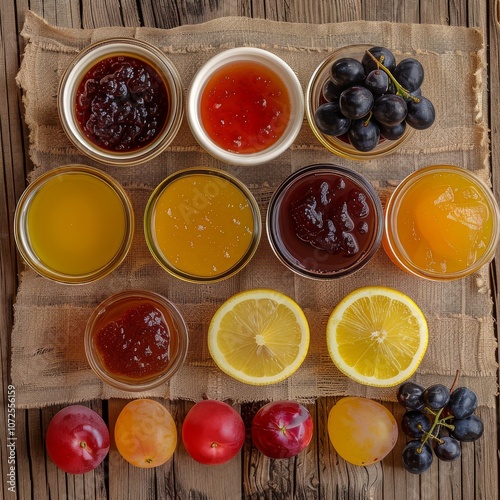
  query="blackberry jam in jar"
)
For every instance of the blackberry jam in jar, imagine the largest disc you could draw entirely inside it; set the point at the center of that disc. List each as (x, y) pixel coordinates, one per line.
(121, 101)
(325, 221)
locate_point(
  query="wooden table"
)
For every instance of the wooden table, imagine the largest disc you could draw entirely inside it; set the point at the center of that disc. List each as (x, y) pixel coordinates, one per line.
(315, 474)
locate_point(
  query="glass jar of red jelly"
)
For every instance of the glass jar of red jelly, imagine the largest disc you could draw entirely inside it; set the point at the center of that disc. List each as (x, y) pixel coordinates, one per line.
(325, 221)
(136, 340)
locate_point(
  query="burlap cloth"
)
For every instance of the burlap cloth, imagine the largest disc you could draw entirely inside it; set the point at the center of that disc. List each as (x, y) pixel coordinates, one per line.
(48, 360)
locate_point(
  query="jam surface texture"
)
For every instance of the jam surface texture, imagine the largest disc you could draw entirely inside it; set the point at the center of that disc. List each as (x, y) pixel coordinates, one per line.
(245, 107)
(137, 345)
(327, 223)
(121, 104)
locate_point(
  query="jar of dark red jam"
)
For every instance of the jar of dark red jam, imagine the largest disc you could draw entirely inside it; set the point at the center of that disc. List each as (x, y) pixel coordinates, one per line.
(136, 340)
(325, 221)
(121, 101)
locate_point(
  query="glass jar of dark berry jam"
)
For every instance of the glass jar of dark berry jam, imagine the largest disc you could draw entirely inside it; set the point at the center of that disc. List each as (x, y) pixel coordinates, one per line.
(325, 221)
(121, 101)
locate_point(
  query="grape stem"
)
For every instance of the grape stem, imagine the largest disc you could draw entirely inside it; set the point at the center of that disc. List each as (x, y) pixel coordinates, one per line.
(401, 91)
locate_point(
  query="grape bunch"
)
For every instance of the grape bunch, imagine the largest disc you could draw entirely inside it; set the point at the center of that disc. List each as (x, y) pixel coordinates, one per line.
(373, 98)
(437, 420)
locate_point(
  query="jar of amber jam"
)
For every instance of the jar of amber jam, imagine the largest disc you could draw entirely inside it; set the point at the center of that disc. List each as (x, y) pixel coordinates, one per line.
(325, 221)
(120, 101)
(202, 225)
(441, 223)
(245, 106)
(136, 340)
(74, 224)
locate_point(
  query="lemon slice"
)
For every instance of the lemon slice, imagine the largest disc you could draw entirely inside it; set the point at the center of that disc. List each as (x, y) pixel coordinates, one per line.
(377, 336)
(259, 337)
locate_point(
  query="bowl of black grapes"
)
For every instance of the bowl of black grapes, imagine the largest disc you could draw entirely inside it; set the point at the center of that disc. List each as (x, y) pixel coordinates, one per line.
(362, 103)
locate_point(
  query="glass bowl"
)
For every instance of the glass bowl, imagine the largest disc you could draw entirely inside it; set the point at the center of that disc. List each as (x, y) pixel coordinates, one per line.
(325, 221)
(441, 223)
(314, 98)
(120, 101)
(136, 340)
(202, 224)
(74, 224)
(233, 128)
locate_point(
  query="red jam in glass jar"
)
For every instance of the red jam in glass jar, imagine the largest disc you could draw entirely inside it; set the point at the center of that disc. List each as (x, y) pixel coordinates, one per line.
(245, 107)
(325, 221)
(136, 339)
(122, 104)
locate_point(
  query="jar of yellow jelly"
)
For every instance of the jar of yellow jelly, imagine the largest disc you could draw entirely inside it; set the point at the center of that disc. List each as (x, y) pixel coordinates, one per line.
(74, 224)
(202, 224)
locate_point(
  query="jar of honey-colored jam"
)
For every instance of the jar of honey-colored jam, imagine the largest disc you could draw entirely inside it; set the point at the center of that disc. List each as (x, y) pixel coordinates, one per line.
(441, 223)
(202, 224)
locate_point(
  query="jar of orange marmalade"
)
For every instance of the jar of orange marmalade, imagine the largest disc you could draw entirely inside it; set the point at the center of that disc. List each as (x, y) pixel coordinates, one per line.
(441, 223)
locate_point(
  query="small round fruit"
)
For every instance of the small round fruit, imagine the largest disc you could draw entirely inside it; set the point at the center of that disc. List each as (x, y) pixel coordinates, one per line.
(415, 424)
(417, 457)
(463, 402)
(394, 132)
(213, 432)
(364, 135)
(421, 114)
(409, 73)
(282, 429)
(330, 120)
(468, 429)
(145, 433)
(361, 430)
(390, 109)
(410, 396)
(436, 397)
(448, 449)
(356, 102)
(347, 71)
(77, 439)
(388, 59)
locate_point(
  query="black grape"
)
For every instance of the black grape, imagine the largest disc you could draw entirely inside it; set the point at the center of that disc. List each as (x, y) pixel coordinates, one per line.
(331, 92)
(394, 132)
(356, 102)
(463, 402)
(330, 120)
(377, 82)
(417, 457)
(409, 73)
(436, 396)
(369, 64)
(389, 109)
(415, 424)
(448, 449)
(410, 396)
(468, 429)
(347, 71)
(363, 135)
(421, 114)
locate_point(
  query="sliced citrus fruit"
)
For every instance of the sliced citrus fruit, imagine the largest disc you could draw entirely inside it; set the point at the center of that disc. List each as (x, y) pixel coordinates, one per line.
(259, 337)
(377, 336)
